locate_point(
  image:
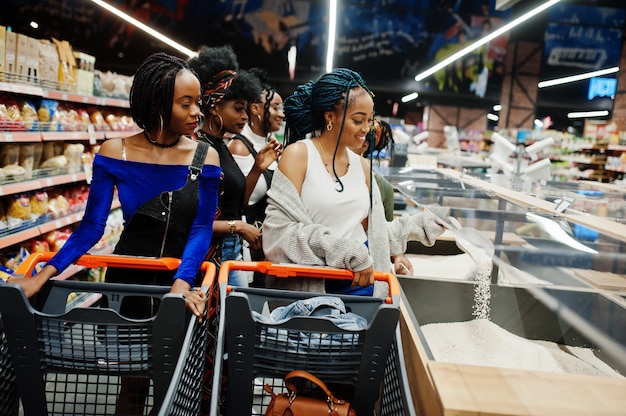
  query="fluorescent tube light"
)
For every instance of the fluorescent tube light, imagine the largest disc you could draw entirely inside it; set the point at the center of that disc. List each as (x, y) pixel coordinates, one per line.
(145, 28)
(588, 114)
(332, 23)
(409, 97)
(484, 40)
(579, 77)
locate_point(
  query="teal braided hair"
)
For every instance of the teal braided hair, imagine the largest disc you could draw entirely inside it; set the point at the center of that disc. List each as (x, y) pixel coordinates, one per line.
(305, 108)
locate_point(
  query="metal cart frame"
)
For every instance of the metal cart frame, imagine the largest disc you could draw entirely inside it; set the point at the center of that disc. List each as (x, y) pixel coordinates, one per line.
(369, 362)
(70, 362)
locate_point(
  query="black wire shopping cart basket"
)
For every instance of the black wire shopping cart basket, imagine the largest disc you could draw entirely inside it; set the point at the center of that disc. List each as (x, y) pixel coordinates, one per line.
(365, 365)
(88, 360)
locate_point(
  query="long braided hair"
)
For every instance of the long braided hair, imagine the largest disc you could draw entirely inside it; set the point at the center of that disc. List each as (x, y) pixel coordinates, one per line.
(152, 90)
(268, 94)
(385, 141)
(305, 108)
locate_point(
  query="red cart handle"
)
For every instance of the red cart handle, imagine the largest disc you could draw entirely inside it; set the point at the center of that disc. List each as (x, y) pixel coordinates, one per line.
(116, 260)
(297, 270)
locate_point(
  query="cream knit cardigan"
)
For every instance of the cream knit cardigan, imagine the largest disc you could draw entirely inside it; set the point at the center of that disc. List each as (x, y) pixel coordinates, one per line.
(290, 236)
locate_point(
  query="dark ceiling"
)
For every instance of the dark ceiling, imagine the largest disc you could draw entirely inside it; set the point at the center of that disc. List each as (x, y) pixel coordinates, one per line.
(388, 41)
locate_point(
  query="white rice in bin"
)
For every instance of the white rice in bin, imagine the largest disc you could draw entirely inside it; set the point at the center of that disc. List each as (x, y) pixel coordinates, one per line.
(481, 342)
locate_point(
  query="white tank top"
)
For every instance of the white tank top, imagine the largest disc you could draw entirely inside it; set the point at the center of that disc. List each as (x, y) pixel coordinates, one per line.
(341, 212)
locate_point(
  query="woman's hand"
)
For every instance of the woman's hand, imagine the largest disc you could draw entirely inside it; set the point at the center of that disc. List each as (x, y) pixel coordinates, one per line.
(32, 285)
(402, 265)
(251, 234)
(364, 278)
(195, 300)
(268, 154)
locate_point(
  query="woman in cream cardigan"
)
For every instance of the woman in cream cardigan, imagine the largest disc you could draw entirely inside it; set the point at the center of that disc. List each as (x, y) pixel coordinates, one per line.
(319, 210)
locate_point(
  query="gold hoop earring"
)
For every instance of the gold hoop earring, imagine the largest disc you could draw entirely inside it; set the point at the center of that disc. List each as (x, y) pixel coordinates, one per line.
(211, 124)
(329, 126)
(155, 141)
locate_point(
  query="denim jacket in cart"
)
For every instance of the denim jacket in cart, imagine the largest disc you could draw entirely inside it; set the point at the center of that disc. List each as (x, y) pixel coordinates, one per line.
(328, 307)
(303, 341)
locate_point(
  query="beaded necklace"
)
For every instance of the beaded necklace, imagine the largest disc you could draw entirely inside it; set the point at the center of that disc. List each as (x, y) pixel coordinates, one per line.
(161, 145)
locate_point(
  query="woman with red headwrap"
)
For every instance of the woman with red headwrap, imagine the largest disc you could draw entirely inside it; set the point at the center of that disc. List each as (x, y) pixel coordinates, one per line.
(226, 92)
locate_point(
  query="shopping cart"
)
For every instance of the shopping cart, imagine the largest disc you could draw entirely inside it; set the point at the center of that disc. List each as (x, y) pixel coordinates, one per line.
(8, 395)
(367, 363)
(74, 362)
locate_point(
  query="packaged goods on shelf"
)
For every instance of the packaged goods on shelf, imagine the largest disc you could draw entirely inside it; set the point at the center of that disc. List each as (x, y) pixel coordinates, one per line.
(32, 59)
(9, 54)
(18, 210)
(21, 52)
(84, 72)
(67, 65)
(111, 84)
(3, 36)
(48, 63)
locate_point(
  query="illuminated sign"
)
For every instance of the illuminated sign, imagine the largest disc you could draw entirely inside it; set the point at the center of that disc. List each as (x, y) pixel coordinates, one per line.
(601, 87)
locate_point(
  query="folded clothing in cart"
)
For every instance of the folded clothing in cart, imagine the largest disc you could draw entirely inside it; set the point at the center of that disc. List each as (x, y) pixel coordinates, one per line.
(329, 307)
(326, 307)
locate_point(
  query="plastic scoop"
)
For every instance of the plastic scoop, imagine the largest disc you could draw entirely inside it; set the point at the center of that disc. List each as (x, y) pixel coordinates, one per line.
(470, 235)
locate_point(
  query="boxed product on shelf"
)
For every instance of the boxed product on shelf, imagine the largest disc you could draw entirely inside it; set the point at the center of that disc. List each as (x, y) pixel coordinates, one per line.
(84, 72)
(48, 63)
(32, 59)
(67, 65)
(3, 36)
(21, 55)
(9, 53)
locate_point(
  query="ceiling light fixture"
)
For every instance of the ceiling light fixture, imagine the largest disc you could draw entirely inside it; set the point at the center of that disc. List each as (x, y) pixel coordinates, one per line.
(409, 97)
(332, 23)
(145, 28)
(497, 107)
(492, 117)
(484, 40)
(588, 114)
(579, 77)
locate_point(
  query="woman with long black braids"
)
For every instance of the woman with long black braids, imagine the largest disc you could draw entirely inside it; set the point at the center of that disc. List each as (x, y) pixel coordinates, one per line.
(167, 185)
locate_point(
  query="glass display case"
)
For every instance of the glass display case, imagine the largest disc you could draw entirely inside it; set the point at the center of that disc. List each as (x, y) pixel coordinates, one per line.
(538, 331)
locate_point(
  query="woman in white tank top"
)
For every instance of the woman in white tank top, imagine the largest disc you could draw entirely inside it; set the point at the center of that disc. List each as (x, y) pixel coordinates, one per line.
(330, 179)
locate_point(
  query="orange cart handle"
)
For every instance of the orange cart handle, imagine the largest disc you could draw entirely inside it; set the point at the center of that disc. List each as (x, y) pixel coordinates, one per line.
(297, 270)
(116, 260)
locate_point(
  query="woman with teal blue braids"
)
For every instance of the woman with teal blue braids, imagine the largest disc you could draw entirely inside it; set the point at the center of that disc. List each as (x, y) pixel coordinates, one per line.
(319, 211)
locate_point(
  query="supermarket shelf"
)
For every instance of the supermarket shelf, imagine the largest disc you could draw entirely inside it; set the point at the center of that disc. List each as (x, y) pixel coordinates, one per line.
(21, 88)
(71, 135)
(20, 136)
(86, 99)
(35, 90)
(40, 229)
(36, 184)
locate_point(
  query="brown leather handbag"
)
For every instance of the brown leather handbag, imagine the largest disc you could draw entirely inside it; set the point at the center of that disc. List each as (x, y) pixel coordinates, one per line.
(290, 404)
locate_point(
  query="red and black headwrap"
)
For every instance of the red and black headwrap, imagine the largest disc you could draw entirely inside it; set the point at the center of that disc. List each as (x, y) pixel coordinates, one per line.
(214, 90)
